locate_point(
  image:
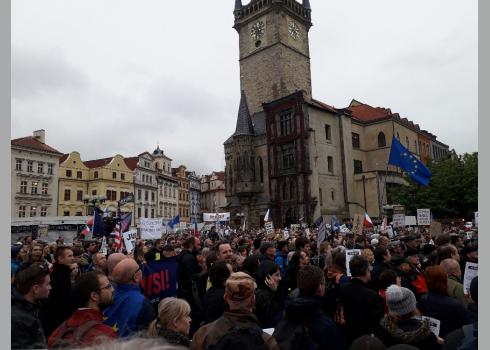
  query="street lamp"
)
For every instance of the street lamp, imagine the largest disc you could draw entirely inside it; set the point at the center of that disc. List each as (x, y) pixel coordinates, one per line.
(93, 201)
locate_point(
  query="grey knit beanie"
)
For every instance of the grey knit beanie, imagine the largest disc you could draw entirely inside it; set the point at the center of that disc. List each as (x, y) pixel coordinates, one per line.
(400, 301)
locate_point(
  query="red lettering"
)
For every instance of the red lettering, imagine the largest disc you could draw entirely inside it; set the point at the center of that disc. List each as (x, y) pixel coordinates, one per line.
(166, 279)
(157, 288)
(162, 279)
(149, 285)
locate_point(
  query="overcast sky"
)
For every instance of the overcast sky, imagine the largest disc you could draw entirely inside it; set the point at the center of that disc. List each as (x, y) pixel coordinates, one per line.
(116, 76)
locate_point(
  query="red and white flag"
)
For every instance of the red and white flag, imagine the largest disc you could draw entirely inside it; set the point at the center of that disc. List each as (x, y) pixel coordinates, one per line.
(384, 225)
(367, 220)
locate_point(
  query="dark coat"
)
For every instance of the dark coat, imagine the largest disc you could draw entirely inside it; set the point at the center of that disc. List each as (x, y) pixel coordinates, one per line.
(187, 266)
(412, 332)
(449, 311)
(378, 269)
(363, 309)
(26, 331)
(268, 306)
(214, 304)
(174, 338)
(322, 330)
(60, 305)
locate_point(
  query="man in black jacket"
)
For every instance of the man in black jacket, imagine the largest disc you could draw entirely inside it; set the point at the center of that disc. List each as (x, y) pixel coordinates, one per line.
(363, 307)
(60, 305)
(382, 258)
(31, 286)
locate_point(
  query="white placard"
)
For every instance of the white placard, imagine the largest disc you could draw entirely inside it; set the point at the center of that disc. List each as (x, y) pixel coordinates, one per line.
(129, 240)
(308, 233)
(435, 325)
(211, 217)
(476, 219)
(470, 272)
(349, 254)
(269, 227)
(423, 217)
(389, 230)
(411, 221)
(151, 228)
(269, 331)
(103, 246)
(285, 234)
(398, 220)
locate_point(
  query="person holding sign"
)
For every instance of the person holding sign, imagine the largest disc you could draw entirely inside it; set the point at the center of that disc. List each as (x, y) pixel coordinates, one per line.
(401, 325)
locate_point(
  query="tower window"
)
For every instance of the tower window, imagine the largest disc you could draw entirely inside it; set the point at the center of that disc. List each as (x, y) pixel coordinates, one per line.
(286, 123)
(330, 164)
(287, 153)
(356, 141)
(357, 166)
(381, 139)
(328, 132)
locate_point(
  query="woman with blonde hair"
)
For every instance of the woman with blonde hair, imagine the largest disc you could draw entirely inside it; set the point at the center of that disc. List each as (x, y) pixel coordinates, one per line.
(173, 322)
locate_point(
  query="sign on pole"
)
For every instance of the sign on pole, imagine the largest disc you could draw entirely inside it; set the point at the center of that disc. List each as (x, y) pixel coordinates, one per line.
(269, 227)
(151, 228)
(398, 216)
(349, 254)
(423, 217)
(129, 240)
(357, 224)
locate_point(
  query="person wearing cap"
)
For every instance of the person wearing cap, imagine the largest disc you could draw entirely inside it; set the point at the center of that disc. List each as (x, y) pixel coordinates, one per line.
(240, 297)
(416, 275)
(401, 325)
(363, 307)
(281, 257)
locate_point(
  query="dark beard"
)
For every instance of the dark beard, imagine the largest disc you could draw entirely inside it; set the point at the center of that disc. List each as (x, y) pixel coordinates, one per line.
(105, 305)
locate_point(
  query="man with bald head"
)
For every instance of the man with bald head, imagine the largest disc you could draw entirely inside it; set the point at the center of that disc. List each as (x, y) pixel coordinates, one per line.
(131, 310)
(454, 286)
(112, 261)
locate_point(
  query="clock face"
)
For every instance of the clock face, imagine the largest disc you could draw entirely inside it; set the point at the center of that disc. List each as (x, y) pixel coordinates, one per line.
(293, 30)
(257, 30)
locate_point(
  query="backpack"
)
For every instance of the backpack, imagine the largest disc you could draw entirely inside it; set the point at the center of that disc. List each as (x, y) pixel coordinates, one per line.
(293, 334)
(78, 333)
(470, 339)
(241, 338)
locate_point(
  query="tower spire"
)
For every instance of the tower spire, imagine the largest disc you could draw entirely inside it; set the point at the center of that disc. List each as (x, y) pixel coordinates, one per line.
(238, 5)
(244, 121)
(306, 4)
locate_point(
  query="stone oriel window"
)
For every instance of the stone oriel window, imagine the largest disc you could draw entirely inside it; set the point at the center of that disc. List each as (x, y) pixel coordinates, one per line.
(381, 139)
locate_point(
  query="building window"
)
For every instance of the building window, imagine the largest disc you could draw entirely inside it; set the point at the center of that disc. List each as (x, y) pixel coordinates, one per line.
(328, 132)
(34, 187)
(381, 139)
(23, 187)
(287, 152)
(146, 197)
(50, 169)
(79, 174)
(332, 195)
(22, 211)
(44, 210)
(139, 194)
(356, 141)
(146, 212)
(67, 194)
(44, 188)
(152, 213)
(29, 166)
(66, 213)
(357, 166)
(150, 178)
(123, 176)
(78, 213)
(139, 213)
(330, 164)
(18, 164)
(152, 196)
(79, 196)
(165, 190)
(96, 174)
(94, 192)
(286, 123)
(174, 192)
(111, 195)
(114, 175)
(33, 212)
(261, 170)
(68, 173)
(40, 167)
(321, 197)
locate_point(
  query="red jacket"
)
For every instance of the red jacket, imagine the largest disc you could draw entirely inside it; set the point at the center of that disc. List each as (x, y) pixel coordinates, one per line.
(91, 337)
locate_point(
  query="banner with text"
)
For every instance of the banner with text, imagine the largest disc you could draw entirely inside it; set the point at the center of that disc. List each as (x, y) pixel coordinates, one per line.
(159, 279)
(211, 217)
(423, 217)
(151, 228)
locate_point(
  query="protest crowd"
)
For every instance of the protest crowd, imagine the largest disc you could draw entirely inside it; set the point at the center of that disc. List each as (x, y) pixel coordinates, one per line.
(234, 289)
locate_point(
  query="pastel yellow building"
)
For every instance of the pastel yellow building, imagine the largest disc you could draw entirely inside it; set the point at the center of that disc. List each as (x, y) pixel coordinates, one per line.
(73, 184)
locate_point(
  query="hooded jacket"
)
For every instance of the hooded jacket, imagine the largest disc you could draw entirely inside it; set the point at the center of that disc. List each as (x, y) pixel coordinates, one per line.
(412, 332)
(26, 331)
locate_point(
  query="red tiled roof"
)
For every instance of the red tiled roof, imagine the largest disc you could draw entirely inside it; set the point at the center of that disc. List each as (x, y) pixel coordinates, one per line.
(220, 175)
(368, 113)
(63, 158)
(33, 143)
(322, 105)
(97, 163)
(131, 162)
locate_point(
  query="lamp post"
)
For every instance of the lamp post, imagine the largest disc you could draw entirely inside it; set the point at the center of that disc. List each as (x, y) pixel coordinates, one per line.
(93, 201)
(240, 216)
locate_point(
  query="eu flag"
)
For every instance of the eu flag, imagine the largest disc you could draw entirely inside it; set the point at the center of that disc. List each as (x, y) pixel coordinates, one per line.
(403, 158)
(174, 221)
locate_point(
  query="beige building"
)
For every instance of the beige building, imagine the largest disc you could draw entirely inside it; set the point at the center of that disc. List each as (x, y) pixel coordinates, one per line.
(73, 184)
(34, 177)
(183, 193)
(168, 186)
(293, 154)
(213, 192)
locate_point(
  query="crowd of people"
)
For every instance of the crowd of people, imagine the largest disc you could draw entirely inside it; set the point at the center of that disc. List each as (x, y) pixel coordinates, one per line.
(251, 290)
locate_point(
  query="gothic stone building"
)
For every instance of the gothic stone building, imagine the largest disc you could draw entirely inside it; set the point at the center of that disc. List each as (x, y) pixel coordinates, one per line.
(291, 153)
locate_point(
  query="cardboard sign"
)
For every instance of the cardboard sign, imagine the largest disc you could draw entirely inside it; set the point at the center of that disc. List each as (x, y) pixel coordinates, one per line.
(434, 324)
(410, 221)
(151, 228)
(269, 227)
(470, 272)
(423, 217)
(130, 240)
(349, 254)
(435, 228)
(398, 220)
(357, 224)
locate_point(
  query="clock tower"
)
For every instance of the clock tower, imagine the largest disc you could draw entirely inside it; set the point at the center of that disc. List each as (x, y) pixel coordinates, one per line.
(274, 49)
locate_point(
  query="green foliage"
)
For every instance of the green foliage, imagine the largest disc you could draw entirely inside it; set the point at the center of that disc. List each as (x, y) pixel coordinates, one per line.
(452, 191)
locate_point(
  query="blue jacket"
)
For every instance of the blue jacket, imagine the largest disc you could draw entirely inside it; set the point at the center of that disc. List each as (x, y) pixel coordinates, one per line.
(282, 261)
(130, 312)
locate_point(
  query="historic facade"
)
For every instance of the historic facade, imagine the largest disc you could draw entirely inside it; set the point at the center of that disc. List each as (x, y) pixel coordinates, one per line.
(74, 178)
(183, 193)
(293, 154)
(213, 193)
(194, 196)
(34, 177)
(168, 202)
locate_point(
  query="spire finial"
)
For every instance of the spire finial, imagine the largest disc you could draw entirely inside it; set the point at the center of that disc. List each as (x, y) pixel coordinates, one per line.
(306, 4)
(238, 5)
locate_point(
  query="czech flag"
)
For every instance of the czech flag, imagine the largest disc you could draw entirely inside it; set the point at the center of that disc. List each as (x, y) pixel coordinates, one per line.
(367, 220)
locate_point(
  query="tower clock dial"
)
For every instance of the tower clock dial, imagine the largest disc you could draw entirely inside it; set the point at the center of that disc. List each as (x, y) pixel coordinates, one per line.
(257, 30)
(293, 30)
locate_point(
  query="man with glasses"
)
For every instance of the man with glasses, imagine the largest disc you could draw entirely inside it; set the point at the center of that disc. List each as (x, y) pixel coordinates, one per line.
(131, 310)
(92, 293)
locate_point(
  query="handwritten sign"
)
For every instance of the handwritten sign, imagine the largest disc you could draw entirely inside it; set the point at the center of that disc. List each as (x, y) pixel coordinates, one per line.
(151, 228)
(357, 224)
(434, 324)
(423, 217)
(470, 272)
(398, 220)
(269, 227)
(129, 240)
(349, 254)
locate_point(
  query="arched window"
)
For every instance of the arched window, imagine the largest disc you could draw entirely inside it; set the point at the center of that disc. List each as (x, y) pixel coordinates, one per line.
(381, 139)
(261, 170)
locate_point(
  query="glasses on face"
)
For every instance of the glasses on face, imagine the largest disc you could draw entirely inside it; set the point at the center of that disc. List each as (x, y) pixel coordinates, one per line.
(139, 269)
(109, 286)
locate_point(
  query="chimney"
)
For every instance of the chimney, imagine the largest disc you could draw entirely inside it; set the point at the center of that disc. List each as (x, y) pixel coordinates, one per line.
(39, 135)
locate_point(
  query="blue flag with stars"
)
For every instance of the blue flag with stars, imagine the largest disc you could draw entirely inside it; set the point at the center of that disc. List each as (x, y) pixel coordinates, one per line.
(403, 158)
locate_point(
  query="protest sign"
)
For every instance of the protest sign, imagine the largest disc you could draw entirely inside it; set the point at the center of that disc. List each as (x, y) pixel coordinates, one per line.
(151, 228)
(435, 228)
(211, 217)
(410, 221)
(285, 234)
(129, 240)
(269, 227)
(103, 246)
(357, 224)
(349, 254)
(308, 233)
(434, 324)
(423, 217)
(42, 232)
(390, 232)
(398, 220)
(159, 279)
(470, 272)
